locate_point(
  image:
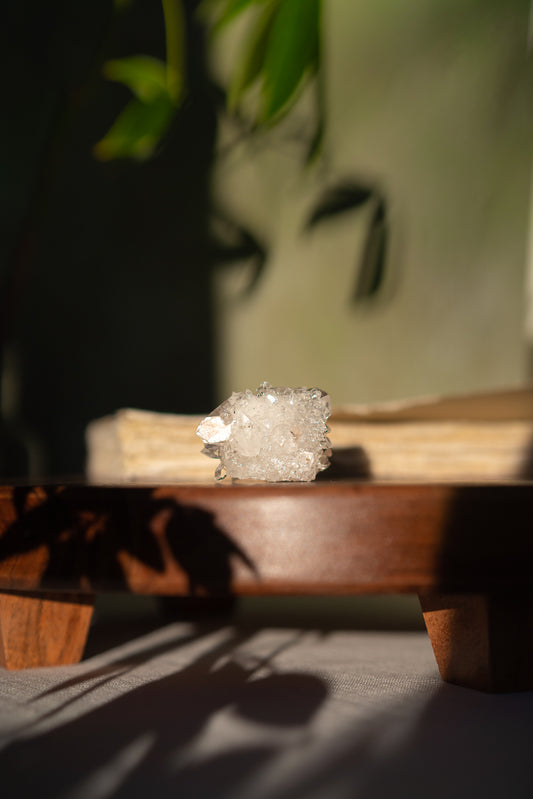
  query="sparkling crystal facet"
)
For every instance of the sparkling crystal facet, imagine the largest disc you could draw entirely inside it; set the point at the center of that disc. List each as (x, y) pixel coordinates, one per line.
(274, 434)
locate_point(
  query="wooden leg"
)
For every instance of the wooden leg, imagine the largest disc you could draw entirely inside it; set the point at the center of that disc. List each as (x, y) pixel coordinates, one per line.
(48, 629)
(482, 641)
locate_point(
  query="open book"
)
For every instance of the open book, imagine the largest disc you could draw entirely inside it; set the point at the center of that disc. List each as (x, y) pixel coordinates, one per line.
(486, 436)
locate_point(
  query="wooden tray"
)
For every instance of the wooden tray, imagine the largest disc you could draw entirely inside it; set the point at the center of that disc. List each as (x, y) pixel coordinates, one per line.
(466, 550)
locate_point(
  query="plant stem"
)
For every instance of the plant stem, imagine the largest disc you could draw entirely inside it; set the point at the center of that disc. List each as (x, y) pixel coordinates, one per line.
(175, 45)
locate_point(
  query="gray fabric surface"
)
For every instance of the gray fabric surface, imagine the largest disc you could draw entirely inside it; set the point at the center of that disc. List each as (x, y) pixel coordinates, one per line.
(244, 710)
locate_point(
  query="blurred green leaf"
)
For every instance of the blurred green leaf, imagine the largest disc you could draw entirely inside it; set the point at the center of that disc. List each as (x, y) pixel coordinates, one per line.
(145, 76)
(292, 51)
(137, 130)
(250, 64)
(158, 88)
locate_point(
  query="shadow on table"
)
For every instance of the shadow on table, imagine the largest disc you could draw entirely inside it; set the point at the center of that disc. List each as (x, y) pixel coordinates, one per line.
(455, 743)
(525, 472)
(226, 724)
(347, 463)
(141, 741)
(81, 539)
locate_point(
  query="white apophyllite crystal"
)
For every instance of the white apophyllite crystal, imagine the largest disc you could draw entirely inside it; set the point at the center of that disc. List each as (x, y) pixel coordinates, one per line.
(274, 434)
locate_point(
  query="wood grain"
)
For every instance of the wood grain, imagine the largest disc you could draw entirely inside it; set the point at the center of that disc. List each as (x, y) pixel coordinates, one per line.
(482, 641)
(43, 629)
(289, 538)
(465, 549)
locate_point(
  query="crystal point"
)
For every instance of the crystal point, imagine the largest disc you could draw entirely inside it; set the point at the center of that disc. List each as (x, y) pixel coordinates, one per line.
(275, 434)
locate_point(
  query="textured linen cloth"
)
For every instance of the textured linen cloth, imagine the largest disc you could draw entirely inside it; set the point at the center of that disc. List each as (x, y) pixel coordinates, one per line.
(248, 710)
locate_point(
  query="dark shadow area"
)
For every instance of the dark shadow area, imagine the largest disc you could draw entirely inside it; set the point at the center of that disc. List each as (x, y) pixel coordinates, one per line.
(138, 742)
(487, 542)
(86, 534)
(525, 471)
(347, 462)
(455, 743)
(481, 617)
(121, 665)
(105, 294)
(196, 608)
(225, 722)
(231, 242)
(321, 615)
(372, 613)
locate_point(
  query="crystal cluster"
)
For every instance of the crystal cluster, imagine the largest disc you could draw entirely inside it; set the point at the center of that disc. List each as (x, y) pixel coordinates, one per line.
(274, 434)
